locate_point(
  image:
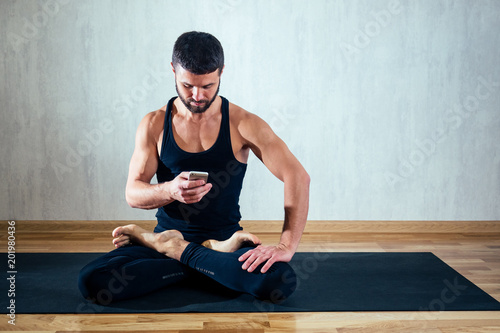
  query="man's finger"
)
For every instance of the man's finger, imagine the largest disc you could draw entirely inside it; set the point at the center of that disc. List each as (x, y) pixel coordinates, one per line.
(196, 186)
(262, 257)
(248, 261)
(245, 255)
(188, 184)
(184, 174)
(206, 189)
(255, 264)
(268, 265)
(195, 194)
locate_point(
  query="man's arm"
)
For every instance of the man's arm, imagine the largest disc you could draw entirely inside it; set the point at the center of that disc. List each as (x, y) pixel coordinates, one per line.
(140, 193)
(274, 153)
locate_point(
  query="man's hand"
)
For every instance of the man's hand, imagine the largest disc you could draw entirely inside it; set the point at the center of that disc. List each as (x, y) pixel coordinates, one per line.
(253, 258)
(188, 191)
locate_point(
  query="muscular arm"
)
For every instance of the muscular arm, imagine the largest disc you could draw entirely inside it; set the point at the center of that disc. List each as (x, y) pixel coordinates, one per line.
(140, 193)
(274, 153)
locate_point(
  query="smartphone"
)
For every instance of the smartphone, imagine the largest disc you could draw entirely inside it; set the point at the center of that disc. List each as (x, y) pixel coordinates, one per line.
(197, 175)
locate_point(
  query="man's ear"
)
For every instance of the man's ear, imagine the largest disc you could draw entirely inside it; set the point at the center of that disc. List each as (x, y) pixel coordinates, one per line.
(173, 68)
(222, 70)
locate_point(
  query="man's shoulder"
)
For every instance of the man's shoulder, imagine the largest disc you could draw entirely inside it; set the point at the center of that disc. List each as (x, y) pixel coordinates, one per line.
(157, 116)
(238, 114)
(247, 124)
(152, 123)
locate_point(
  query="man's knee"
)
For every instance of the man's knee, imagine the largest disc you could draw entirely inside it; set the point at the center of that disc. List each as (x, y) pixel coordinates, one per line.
(278, 283)
(100, 287)
(99, 284)
(86, 282)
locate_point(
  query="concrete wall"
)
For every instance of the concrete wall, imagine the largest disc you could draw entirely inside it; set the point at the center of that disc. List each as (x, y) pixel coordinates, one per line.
(392, 106)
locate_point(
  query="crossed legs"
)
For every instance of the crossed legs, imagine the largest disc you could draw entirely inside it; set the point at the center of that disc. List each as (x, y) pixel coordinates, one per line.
(156, 260)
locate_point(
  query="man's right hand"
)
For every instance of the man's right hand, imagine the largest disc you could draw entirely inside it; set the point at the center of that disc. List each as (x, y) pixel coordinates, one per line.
(188, 191)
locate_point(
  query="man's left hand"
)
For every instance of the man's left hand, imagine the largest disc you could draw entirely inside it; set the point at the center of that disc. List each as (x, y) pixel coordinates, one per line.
(269, 254)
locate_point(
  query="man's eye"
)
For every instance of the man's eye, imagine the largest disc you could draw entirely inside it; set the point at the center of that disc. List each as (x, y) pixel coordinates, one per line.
(187, 86)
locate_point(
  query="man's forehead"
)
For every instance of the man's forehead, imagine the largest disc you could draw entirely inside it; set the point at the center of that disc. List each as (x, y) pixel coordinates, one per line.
(188, 77)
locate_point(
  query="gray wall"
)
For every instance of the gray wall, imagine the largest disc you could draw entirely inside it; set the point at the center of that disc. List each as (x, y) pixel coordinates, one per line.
(392, 106)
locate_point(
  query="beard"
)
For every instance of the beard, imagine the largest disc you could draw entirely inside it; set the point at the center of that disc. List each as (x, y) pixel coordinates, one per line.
(197, 108)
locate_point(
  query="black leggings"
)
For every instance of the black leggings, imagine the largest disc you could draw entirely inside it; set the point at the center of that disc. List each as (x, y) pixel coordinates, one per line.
(134, 270)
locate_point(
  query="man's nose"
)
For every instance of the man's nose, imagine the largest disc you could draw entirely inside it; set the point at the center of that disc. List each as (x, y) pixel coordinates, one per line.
(197, 94)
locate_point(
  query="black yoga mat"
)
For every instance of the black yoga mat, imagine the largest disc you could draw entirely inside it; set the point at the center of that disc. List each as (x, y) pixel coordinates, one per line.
(47, 283)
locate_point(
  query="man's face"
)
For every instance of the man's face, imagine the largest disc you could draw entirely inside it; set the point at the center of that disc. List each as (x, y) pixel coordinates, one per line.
(197, 92)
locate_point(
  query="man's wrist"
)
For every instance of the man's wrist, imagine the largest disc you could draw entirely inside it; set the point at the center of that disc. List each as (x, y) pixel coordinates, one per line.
(289, 239)
(166, 191)
(287, 246)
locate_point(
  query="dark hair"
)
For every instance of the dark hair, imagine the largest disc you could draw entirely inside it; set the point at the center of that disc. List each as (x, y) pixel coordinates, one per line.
(198, 53)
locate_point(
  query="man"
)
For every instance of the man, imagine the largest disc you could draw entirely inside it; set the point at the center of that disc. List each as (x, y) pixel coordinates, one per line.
(198, 229)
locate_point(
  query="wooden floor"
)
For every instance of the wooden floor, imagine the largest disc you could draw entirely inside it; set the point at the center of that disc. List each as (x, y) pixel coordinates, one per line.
(472, 248)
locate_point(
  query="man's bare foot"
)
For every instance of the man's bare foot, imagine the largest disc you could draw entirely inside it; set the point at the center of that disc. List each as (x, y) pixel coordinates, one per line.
(235, 242)
(132, 233)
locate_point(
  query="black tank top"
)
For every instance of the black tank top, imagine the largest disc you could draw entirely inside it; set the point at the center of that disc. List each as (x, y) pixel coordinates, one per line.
(217, 215)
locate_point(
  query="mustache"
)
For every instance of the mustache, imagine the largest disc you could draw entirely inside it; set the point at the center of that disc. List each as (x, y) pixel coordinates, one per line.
(200, 101)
